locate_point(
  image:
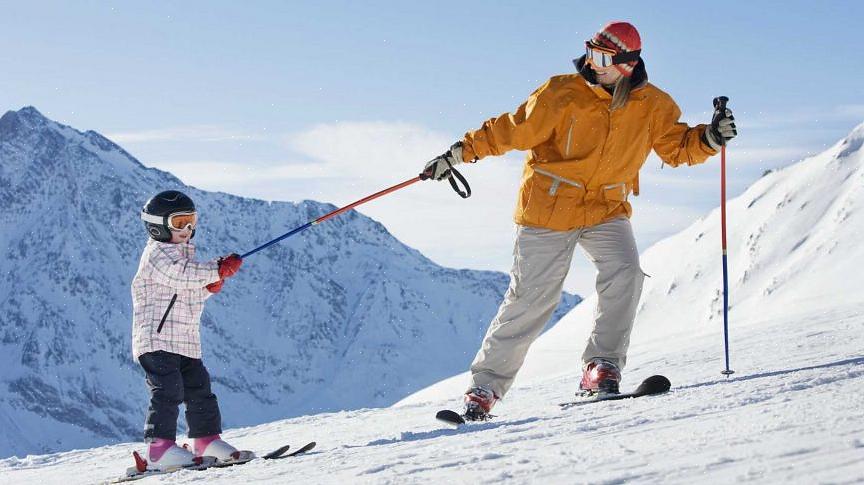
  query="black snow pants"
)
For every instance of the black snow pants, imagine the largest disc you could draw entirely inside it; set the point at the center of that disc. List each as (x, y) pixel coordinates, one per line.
(174, 379)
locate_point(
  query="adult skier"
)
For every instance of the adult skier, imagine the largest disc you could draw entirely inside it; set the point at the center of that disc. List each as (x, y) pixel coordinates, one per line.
(587, 135)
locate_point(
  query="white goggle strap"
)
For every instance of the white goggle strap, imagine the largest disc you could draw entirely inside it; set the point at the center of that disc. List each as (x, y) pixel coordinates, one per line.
(153, 219)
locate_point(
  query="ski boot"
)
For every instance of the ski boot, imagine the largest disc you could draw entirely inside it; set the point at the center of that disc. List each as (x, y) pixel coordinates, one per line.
(478, 403)
(600, 376)
(165, 455)
(225, 454)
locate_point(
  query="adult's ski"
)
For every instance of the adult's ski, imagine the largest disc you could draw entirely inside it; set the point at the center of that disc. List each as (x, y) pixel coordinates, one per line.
(450, 417)
(455, 419)
(649, 387)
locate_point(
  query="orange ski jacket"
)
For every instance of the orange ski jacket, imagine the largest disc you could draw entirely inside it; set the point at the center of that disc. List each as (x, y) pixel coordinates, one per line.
(583, 160)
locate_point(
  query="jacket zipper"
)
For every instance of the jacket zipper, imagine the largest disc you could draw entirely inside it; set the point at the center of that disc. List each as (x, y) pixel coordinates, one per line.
(569, 135)
(167, 311)
(557, 179)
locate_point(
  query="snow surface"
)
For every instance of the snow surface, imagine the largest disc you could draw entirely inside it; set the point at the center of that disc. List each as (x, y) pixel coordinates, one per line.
(792, 413)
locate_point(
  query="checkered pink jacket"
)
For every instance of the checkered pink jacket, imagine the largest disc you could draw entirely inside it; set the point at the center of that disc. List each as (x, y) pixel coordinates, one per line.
(167, 270)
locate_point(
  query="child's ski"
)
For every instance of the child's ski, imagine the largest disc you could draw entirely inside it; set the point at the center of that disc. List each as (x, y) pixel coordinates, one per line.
(301, 450)
(140, 470)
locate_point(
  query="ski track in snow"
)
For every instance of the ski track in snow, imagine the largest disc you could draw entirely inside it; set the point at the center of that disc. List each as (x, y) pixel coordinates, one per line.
(796, 418)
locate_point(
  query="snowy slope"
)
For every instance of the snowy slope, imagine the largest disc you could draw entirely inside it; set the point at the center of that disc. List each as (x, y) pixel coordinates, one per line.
(791, 414)
(796, 419)
(338, 317)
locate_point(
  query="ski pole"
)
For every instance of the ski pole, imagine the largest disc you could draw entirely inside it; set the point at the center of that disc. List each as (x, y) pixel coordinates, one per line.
(464, 193)
(720, 104)
(423, 176)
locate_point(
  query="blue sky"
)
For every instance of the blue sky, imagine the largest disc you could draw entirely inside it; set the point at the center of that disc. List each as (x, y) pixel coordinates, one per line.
(336, 100)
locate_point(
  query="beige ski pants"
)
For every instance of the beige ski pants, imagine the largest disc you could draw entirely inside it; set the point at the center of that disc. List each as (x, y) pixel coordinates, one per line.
(541, 259)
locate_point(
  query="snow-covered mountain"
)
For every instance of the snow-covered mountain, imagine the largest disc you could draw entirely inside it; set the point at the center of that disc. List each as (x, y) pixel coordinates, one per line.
(338, 317)
(792, 413)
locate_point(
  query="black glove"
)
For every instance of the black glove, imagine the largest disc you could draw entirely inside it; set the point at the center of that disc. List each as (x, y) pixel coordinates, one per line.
(439, 167)
(722, 129)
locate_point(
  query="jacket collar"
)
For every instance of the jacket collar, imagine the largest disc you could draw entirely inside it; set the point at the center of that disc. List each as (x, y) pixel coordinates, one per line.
(639, 77)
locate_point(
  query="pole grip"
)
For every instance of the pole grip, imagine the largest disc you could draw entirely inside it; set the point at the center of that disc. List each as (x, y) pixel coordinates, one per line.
(719, 114)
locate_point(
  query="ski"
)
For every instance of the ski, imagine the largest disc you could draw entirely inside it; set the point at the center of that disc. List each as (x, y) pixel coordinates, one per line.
(140, 470)
(649, 387)
(450, 417)
(455, 419)
(276, 453)
(299, 451)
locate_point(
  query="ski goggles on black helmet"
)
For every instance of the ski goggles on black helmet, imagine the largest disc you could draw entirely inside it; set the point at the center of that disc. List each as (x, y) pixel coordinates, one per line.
(177, 221)
(599, 56)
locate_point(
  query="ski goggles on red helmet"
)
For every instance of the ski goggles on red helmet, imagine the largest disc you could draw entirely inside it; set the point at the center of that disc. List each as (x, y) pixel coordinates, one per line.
(177, 221)
(599, 56)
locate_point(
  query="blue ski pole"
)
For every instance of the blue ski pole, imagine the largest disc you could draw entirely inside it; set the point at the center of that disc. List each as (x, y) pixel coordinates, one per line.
(720, 104)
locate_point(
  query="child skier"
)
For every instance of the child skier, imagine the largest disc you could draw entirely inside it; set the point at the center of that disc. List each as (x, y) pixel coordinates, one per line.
(587, 135)
(168, 294)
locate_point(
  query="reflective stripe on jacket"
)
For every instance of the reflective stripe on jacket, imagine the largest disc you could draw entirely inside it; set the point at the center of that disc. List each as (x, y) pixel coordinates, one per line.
(583, 160)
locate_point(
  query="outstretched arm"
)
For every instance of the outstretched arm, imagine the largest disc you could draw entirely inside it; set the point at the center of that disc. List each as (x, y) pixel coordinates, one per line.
(531, 124)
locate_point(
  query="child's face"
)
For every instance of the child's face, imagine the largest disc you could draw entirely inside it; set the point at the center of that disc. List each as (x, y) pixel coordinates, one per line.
(187, 221)
(179, 237)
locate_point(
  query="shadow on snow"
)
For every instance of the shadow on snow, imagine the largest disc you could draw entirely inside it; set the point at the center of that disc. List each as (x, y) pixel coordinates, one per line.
(851, 362)
(408, 436)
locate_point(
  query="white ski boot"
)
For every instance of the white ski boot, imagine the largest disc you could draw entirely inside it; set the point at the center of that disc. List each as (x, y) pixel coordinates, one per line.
(224, 453)
(172, 458)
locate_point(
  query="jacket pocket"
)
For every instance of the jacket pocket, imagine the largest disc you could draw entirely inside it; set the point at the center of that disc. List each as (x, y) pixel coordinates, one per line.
(553, 198)
(616, 192)
(616, 196)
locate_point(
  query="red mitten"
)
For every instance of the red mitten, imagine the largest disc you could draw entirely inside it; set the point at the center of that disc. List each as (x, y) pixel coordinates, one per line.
(215, 287)
(229, 265)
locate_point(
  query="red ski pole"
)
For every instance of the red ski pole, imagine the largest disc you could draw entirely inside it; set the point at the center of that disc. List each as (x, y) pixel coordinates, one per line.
(423, 176)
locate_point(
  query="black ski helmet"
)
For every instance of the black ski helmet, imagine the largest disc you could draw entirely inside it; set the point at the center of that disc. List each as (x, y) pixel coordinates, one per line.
(156, 211)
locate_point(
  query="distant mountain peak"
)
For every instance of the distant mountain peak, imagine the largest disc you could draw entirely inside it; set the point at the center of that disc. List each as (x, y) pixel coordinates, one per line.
(853, 142)
(27, 116)
(31, 112)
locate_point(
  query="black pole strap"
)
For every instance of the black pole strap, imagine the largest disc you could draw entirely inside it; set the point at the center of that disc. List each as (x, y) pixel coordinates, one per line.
(451, 173)
(462, 193)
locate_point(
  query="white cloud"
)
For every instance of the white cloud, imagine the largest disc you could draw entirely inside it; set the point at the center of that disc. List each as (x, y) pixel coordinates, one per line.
(370, 150)
(851, 111)
(800, 117)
